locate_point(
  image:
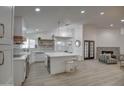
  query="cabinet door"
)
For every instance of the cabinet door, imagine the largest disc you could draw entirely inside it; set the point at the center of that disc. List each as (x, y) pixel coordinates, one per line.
(6, 17)
(5, 64)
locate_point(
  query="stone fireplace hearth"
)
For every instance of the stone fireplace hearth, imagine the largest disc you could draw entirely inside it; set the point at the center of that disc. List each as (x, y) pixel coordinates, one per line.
(113, 50)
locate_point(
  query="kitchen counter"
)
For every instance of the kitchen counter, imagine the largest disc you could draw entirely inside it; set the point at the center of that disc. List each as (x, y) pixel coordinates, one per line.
(60, 54)
(56, 62)
(22, 56)
(38, 51)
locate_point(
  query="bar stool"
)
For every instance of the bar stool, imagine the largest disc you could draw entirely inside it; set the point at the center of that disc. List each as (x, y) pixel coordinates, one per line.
(71, 65)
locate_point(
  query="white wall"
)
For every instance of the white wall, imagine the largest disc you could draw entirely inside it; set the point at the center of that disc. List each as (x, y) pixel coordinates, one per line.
(122, 41)
(104, 37)
(108, 38)
(78, 35)
(90, 33)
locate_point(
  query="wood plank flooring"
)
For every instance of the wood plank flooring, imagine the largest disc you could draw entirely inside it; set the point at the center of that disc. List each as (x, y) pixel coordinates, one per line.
(89, 73)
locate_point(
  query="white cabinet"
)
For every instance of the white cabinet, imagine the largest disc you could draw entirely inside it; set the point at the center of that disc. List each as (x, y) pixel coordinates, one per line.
(58, 64)
(6, 38)
(6, 17)
(19, 71)
(5, 64)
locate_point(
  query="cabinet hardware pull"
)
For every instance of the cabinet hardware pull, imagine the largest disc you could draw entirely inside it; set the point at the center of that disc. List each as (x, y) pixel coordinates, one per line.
(3, 29)
(3, 58)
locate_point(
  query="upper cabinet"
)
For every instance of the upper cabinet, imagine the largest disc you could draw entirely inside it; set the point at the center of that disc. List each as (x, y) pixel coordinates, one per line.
(6, 23)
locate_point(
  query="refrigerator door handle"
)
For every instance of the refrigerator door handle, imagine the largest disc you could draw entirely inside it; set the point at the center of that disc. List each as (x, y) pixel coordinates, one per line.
(2, 58)
(2, 30)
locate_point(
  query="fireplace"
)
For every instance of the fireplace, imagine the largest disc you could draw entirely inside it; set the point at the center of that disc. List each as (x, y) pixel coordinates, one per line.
(109, 52)
(114, 51)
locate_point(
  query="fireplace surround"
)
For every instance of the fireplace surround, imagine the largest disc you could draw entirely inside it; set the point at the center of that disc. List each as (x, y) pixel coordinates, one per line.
(114, 51)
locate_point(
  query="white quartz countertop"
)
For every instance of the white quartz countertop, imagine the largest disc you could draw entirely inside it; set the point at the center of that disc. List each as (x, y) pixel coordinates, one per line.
(60, 54)
(38, 51)
(22, 57)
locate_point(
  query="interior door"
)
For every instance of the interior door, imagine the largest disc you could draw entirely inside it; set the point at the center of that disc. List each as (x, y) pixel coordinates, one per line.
(88, 49)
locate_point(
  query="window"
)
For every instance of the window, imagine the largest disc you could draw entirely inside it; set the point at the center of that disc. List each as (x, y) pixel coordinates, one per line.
(25, 44)
(29, 43)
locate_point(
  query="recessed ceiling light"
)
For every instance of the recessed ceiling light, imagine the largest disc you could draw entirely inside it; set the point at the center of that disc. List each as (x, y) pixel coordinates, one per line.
(122, 20)
(37, 9)
(82, 11)
(111, 25)
(36, 29)
(102, 13)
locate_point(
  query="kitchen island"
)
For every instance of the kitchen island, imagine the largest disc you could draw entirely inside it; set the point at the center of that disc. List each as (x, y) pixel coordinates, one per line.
(56, 62)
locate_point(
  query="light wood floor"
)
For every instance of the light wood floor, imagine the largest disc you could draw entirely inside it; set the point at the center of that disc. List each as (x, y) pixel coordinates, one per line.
(89, 73)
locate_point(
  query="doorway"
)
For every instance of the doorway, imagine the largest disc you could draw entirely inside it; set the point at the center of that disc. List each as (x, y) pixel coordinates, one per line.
(89, 49)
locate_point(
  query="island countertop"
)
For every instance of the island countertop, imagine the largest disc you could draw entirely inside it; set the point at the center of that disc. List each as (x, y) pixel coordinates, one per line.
(56, 62)
(59, 54)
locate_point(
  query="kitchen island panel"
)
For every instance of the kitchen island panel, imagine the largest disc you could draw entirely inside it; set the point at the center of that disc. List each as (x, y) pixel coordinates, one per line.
(58, 64)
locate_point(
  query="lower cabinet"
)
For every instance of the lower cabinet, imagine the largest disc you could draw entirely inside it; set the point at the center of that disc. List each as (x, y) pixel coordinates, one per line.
(19, 72)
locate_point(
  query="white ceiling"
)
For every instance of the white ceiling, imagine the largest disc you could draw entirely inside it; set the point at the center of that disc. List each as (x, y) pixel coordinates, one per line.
(47, 18)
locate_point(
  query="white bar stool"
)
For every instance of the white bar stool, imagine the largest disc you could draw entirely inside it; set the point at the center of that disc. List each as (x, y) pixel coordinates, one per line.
(71, 65)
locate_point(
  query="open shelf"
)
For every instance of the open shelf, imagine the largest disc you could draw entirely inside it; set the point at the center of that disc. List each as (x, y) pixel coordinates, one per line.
(46, 43)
